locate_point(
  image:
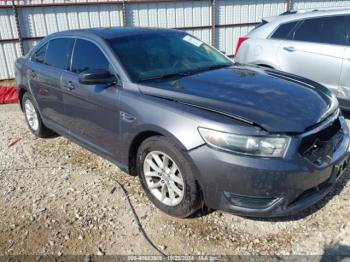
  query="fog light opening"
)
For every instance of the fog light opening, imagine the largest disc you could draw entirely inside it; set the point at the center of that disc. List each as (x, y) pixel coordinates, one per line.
(249, 202)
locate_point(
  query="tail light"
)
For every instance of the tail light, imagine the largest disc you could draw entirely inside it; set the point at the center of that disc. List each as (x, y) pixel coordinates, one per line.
(241, 40)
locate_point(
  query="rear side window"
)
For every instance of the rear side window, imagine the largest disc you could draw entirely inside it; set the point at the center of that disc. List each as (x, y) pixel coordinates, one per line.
(39, 55)
(59, 53)
(283, 30)
(263, 22)
(325, 30)
(87, 56)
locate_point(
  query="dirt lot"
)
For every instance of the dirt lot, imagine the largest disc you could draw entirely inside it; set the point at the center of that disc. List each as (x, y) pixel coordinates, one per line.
(57, 198)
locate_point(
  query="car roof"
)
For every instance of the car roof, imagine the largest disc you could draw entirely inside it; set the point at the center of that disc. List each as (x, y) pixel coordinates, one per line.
(112, 32)
(295, 15)
(99, 34)
(307, 13)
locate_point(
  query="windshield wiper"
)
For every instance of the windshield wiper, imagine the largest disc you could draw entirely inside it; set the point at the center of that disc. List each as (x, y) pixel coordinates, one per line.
(186, 73)
(164, 76)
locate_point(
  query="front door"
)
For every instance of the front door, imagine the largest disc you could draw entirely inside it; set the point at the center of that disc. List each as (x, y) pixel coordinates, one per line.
(344, 81)
(315, 50)
(92, 112)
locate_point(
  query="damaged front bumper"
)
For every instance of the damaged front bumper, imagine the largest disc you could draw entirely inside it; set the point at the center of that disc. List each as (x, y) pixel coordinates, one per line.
(266, 187)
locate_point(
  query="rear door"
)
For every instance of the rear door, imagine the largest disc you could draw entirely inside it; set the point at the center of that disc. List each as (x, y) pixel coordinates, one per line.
(48, 63)
(91, 111)
(344, 82)
(315, 50)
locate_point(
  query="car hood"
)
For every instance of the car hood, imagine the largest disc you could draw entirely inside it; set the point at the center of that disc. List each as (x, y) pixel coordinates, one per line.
(276, 101)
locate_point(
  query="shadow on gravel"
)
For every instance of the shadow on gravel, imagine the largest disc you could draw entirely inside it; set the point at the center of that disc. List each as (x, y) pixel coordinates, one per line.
(203, 211)
(52, 135)
(313, 209)
(336, 253)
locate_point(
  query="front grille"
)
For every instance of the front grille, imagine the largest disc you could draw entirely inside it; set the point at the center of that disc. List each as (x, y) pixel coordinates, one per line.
(319, 147)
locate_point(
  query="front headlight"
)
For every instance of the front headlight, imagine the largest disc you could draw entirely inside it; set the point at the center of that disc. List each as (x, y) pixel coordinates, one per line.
(263, 146)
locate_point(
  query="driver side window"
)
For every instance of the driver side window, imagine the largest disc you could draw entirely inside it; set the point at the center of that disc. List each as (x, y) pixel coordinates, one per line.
(87, 56)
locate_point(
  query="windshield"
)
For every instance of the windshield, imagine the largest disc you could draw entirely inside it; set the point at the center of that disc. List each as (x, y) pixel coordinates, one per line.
(158, 55)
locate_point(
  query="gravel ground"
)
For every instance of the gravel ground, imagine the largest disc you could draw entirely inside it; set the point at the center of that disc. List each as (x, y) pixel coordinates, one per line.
(57, 198)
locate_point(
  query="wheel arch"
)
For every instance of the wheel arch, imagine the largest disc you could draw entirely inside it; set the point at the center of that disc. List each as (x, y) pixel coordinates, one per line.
(144, 134)
(21, 92)
(134, 146)
(141, 136)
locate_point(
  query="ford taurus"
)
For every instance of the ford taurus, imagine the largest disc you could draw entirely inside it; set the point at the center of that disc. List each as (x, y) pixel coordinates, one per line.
(196, 128)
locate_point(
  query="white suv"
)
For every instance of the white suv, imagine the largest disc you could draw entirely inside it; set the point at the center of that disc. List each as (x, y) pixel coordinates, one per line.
(311, 43)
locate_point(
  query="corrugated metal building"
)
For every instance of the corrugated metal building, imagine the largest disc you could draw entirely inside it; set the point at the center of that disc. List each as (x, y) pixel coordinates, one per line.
(218, 22)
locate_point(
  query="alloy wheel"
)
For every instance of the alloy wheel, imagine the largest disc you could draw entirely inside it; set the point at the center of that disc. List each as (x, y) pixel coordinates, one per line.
(163, 178)
(31, 115)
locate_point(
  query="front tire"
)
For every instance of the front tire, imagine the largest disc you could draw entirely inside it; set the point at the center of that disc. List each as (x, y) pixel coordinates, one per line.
(33, 118)
(167, 177)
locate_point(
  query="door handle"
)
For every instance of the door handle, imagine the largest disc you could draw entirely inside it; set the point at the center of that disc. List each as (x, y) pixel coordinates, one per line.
(69, 86)
(289, 48)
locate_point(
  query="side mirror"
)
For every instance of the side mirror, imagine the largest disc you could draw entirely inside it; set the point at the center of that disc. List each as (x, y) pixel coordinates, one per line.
(97, 76)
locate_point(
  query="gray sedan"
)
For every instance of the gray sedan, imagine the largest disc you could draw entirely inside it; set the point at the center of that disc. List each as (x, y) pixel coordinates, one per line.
(195, 128)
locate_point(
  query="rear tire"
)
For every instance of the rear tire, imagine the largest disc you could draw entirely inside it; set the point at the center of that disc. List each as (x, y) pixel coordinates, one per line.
(33, 118)
(167, 178)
